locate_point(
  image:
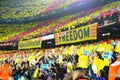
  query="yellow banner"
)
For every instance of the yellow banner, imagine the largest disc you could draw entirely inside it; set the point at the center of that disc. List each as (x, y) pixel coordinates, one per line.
(83, 33)
(28, 44)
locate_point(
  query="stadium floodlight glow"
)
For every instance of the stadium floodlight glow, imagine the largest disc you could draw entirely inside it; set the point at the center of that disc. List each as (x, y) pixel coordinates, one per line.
(51, 36)
(106, 34)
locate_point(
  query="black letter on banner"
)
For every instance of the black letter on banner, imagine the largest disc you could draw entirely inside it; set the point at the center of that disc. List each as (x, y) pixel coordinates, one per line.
(80, 33)
(67, 36)
(63, 37)
(60, 38)
(38, 42)
(86, 32)
(71, 36)
(75, 34)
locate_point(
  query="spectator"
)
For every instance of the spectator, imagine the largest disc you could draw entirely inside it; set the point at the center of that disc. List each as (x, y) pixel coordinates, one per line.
(6, 71)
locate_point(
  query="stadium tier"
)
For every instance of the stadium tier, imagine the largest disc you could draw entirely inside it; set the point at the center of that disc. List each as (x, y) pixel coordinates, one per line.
(61, 23)
(8, 32)
(48, 27)
(18, 9)
(103, 12)
(21, 9)
(79, 19)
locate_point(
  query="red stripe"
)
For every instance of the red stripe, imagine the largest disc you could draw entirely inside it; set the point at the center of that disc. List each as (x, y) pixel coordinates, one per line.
(56, 36)
(93, 27)
(93, 32)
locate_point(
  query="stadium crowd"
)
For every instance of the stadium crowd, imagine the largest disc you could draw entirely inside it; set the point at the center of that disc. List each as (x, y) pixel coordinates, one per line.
(18, 9)
(103, 15)
(107, 13)
(5, 30)
(22, 9)
(86, 61)
(100, 15)
(90, 61)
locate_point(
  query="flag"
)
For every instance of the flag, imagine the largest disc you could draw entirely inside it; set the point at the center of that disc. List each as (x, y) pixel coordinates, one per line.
(99, 64)
(117, 49)
(83, 62)
(35, 73)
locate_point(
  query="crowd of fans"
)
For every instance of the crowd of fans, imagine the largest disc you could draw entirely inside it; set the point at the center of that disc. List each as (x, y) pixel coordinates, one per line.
(107, 13)
(20, 9)
(53, 6)
(21, 35)
(49, 26)
(10, 30)
(17, 9)
(27, 31)
(87, 61)
(30, 29)
(75, 21)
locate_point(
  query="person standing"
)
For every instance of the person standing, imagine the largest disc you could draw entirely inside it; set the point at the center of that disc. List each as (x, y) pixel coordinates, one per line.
(114, 70)
(0, 69)
(6, 71)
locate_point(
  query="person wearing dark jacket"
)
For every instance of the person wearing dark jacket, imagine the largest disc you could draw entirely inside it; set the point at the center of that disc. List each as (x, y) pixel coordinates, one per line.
(59, 75)
(16, 73)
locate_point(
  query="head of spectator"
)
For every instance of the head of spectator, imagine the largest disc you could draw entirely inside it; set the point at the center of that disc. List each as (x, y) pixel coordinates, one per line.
(102, 74)
(68, 77)
(77, 73)
(6, 61)
(117, 78)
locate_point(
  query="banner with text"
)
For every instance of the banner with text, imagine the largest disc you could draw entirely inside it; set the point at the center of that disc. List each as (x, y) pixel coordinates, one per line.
(83, 33)
(28, 44)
